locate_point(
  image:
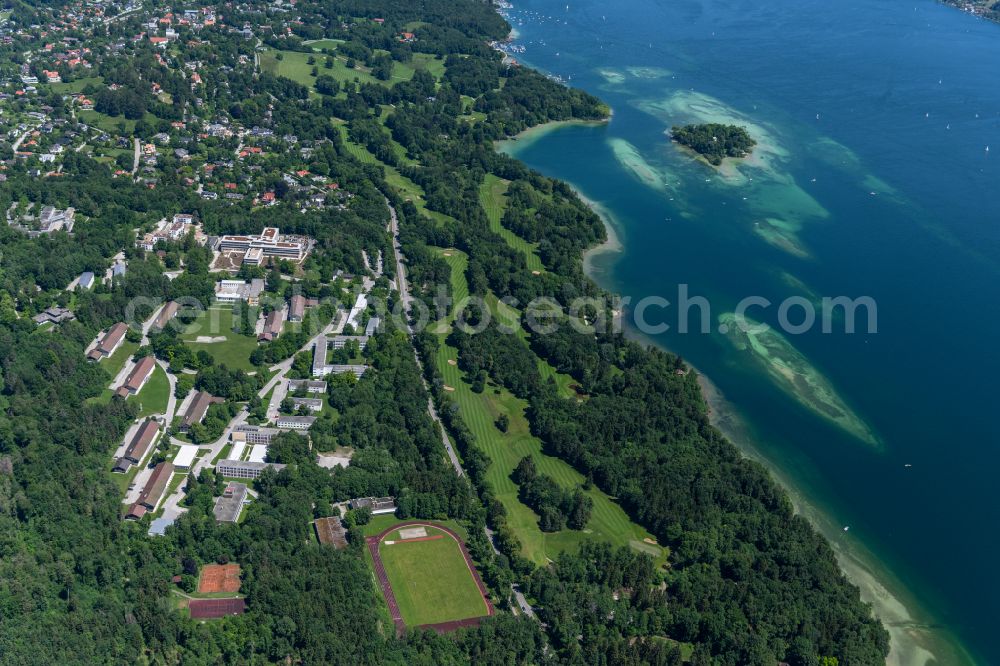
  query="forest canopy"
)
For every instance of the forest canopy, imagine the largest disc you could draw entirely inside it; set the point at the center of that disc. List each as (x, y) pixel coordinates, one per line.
(714, 141)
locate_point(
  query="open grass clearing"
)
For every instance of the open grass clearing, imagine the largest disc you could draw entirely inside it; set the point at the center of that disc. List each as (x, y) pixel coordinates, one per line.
(217, 322)
(154, 396)
(430, 578)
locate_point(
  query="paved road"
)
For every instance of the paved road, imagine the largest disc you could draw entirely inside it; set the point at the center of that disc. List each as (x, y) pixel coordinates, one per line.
(407, 300)
(279, 370)
(20, 139)
(135, 156)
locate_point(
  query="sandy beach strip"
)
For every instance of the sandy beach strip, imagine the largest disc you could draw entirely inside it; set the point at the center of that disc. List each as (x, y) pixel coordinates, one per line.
(533, 134)
(915, 638)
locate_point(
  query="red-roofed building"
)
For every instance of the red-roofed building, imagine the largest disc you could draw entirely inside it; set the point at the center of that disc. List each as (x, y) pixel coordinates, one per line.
(140, 374)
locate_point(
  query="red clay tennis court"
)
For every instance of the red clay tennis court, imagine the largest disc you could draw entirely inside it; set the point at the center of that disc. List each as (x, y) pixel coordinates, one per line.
(219, 578)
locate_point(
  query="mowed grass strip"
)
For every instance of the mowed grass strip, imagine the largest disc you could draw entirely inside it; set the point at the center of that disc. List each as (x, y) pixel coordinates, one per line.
(431, 580)
(608, 521)
(406, 188)
(493, 197)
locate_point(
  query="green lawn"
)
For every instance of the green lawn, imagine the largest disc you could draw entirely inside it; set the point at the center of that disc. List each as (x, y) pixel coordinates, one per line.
(493, 196)
(113, 365)
(295, 66)
(155, 394)
(112, 124)
(76, 86)
(608, 521)
(217, 321)
(426, 62)
(431, 580)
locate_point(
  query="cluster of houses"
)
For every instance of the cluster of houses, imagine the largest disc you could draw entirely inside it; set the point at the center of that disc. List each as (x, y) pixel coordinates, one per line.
(173, 230)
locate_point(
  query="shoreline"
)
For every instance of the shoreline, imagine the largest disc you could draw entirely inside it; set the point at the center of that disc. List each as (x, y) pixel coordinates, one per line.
(914, 638)
(536, 132)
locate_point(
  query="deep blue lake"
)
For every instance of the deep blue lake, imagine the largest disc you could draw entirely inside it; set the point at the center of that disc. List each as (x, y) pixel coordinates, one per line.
(873, 177)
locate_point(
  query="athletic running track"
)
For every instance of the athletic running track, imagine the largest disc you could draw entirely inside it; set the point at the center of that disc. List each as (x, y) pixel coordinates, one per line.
(390, 598)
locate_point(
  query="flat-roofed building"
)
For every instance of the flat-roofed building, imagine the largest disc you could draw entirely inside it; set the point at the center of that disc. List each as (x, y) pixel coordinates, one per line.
(53, 219)
(168, 312)
(197, 409)
(307, 385)
(320, 366)
(53, 315)
(312, 404)
(258, 453)
(340, 341)
(319, 357)
(230, 504)
(295, 422)
(251, 434)
(244, 469)
(272, 326)
(185, 457)
(136, 379)
(360, 305)
(331, 532)
(356, 370)
(296, 308)
(372, 327)
(378, 505)
(254, 257)
(108, 343)
(270, 243)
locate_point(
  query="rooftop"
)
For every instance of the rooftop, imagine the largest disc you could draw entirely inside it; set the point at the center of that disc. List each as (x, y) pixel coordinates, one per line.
(229, 506)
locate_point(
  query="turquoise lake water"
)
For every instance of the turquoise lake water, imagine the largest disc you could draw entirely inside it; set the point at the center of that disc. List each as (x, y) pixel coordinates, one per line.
(873, 178)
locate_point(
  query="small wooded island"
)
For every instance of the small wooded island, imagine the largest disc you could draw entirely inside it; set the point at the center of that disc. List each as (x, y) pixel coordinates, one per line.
(714, 141)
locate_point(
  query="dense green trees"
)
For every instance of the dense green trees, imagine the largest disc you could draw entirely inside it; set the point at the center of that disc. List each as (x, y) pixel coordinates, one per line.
(714, 141)
(747, 583)
(556, 507)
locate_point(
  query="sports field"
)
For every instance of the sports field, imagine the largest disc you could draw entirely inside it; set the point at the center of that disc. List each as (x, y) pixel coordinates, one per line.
(219, 578)
(427, 577)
